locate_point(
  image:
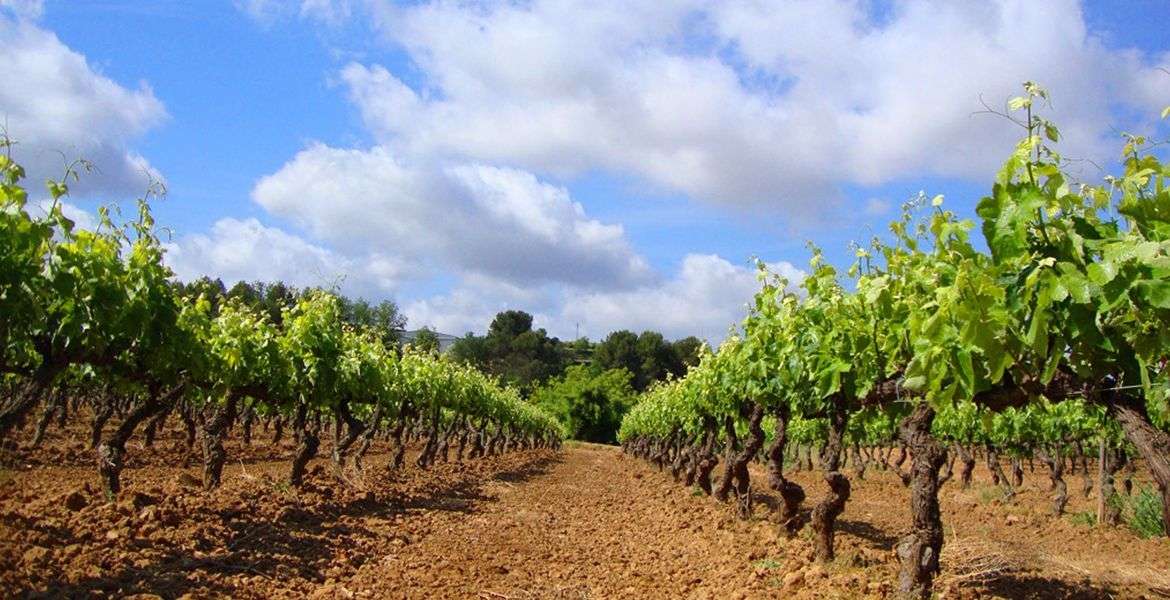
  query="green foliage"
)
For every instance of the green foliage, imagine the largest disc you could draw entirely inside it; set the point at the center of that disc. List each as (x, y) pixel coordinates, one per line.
(591, 404)
(619, 350)
(1145, 513)
(1085, 518)
(766, 563)
(513, 351)
(426, 341)
(1023, 345)
(102, 304)
(648, 356)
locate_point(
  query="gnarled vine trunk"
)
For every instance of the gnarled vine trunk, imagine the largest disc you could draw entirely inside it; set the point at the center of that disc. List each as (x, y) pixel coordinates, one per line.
(13, 413)
(1055, 462)
(307, 446)
(968, 465)
(54, 406)
(707, 460)
(751, 447)
(791, 494)
(367, 437)
(111, 454)
(216, 423)
(354, 428)
(825, 513)
(732, 441)
(997, 475)
(919, 550)
(1152, 444)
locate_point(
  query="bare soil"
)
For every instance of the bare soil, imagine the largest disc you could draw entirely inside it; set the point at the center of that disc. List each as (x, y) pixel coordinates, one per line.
(588, 522)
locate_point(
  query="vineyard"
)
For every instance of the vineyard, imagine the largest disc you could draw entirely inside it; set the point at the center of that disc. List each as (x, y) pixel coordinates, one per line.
(852, 429)
(1051, 342)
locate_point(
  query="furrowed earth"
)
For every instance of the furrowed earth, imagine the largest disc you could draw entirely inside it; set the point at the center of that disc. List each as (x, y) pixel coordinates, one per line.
(587, 522)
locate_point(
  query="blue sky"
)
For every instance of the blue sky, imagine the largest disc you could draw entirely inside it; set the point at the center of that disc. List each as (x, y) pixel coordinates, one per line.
(613, 165)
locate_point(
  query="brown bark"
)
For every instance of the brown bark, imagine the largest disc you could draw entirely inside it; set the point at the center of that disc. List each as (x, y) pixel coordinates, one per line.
(858, 464)
(155, 424)
(1152, 444)
(426, 457)
(968, 465)
(1055, 462)
(102, 414)
(13, 414)
(354, 428)
(920, 549)
(277, 430)
(367, 437)
(751, 447)
(825, 513)
(692, 467)
(1108, 508)
(464, 431)
(997, 475)
(725, 484)
(791, 494)
(55, 405)
(216, 423)
(679, 462)
(399, 436)
(707, 460)
(306, 447)
(948, 469)
(246, 425)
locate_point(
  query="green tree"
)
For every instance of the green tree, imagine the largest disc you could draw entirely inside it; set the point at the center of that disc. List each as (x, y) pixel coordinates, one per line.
(619, 350)
(383, 318)
(591, 404)
(686, 352)
(472, 349)
(426, 341)
(514, 351)
(657, 359)
(509, 324)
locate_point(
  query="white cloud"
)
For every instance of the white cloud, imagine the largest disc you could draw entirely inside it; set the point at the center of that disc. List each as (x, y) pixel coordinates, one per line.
(245, 250)
(706, 297)
(82, 219)
(472, 218)
(331, 12)
(779, 105)
(744, 102)
(59, 109)
(468, 308)
(23, 9)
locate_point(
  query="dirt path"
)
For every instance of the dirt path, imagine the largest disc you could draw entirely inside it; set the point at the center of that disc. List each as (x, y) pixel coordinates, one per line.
(588, 522)
(597, 524)
(583, 529)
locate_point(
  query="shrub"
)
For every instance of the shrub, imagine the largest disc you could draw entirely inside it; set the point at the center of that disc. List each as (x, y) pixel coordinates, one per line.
(1145, 517)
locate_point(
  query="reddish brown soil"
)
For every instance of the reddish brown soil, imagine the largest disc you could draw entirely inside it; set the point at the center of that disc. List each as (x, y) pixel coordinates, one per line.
(585, 523)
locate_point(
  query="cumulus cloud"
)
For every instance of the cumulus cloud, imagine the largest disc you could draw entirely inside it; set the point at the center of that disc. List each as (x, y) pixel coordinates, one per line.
(744, 102)
(331, 12)
(473, 218)
(246, 250)
(23, 9)
(779, 106)
(706, 297)
(59, 109)
(470, 307)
